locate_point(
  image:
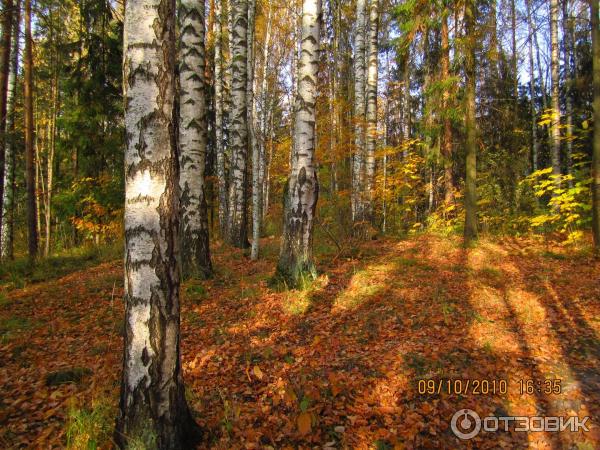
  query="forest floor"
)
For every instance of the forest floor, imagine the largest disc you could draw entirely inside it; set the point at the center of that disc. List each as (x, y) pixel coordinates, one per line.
(334, 366)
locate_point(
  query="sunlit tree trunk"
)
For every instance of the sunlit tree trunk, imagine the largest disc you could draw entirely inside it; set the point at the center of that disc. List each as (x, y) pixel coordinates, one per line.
(32, 234)
(252, 138)
(470, 231)
(371, 111)
(359, 111)
(596, 138)
(555, 121)
(153, 411)
(220, 144)
(237, 220)
(446, 138)
(514, 55)
(264, 118)
(5, 59)
(534, 139)
(195, 251)
(568, 51)
(10, 154)
(302, 189)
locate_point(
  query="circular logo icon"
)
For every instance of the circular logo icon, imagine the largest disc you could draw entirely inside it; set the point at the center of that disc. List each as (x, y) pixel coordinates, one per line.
(465, 424)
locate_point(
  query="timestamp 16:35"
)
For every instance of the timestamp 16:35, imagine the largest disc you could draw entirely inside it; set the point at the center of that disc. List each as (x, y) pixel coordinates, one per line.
(547, 386)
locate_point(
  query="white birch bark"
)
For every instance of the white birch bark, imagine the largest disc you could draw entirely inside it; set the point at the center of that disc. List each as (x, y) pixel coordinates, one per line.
(195, 252)
(153, 410)
(302, 190)
(237, 200)
(9, 160)
(359, 110)
(534, 144)
(555, 121)
(220, 144)
(264, 116)
(254, 146)
(371, 111)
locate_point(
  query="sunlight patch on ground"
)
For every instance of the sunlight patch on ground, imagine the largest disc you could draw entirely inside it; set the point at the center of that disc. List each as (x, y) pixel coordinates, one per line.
(364, 285)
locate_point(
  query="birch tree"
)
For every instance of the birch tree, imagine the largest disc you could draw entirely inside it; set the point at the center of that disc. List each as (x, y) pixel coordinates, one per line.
(237, 217)
(554, 97)
(596, 138)
(220, 147)
(371, 111)
(195, 251)
(359, 111)
(534, 138)
(10, 154)
(32, 227)
(5, 47)
(302, 189)
(153, 411)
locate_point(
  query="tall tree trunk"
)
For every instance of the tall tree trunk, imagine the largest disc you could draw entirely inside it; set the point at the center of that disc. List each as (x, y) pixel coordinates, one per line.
(10, 154)
(596, 138)
(555, 122)
(569, 78)
(371, 111)
(153, 410)
(359, 112)
(50, 165)
(264, 117)
(32, 235)
(193, 131)
(446, 138)
(237, 220)
(220, 144)
(302, 189)
(253, 142)
(514, 55)
(5, 60)
(470, 231)
(534, 139)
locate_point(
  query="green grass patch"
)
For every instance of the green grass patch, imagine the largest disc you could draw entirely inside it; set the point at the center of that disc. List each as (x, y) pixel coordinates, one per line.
(21, 271)
(90, 428)
(11, 326)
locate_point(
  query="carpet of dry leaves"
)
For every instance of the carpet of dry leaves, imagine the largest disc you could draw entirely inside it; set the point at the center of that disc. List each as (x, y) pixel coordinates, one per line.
(336, 365)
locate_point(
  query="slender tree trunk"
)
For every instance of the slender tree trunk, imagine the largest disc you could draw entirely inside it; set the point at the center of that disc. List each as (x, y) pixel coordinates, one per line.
(359, 112)
(534, 139)
(10, 155)
(264, 125)
(514, 55)
(555, 122)
(446, 138)
(50, 166)
(568, 60)
(470, 231)
(302, 189)
(371, 111)
(5, 60)
(193, 132)
(254, 145)
(596, 138)
(153, 409)
(237, 220)
(32, 235)
(220, 144)
(539, 65)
